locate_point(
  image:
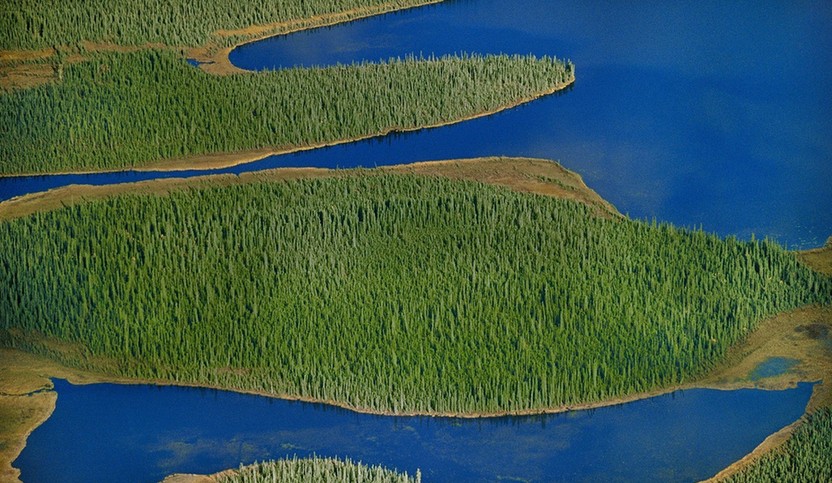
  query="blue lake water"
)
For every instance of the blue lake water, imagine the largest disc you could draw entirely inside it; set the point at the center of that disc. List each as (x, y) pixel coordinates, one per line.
(108, 432)
(706, 113)
(700, 113)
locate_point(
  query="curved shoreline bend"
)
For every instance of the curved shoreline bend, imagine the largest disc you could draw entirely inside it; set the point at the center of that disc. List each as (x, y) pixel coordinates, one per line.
(211, 161)
(732, 374)
(528, 175)
(21, 69)
(775, 336)
(214, 59)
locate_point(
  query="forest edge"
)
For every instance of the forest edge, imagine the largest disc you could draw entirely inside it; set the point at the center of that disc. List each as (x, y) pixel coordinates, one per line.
(27, 398)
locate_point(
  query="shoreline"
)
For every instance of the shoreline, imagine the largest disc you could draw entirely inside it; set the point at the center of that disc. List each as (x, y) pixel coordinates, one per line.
(529, 175)
(214, 59)
(216, 161)
(731, 374)
(722, 378)
(772, 442)
(771, 334)
(19, 68)
(223, 66)
(104, 379)
(14, 446)
(802, 333)
(782, 329)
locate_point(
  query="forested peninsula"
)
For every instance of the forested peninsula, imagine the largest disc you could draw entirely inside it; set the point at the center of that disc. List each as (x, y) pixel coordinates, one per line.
(429, 291)
(36, 24)
(127, 110)
(112, 90)
(391, 293)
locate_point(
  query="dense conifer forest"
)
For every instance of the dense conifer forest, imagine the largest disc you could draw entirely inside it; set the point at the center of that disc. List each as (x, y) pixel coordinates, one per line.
(121, 110)
(32, 24)
(393, 293)
(390, 292)
(327, 470)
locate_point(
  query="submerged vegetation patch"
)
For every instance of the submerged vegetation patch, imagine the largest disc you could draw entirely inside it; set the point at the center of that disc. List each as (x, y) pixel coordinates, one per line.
(121, 110)
(393, 293)
(772, 367)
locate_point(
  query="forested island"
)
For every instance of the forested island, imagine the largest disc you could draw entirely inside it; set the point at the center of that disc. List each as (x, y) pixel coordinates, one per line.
(469, 288)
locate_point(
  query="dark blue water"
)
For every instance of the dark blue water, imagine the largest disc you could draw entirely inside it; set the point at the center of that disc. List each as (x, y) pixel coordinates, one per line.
(107, 432)
(700, 113)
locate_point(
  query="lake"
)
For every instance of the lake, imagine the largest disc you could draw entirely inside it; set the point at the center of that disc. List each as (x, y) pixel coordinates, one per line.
(105, 432)
(704, 114)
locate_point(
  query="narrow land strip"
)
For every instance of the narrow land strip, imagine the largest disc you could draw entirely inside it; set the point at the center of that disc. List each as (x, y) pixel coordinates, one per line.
(230, 159)
(520, 174)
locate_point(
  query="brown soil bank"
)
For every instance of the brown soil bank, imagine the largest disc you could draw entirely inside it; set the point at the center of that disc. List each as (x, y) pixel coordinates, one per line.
(21, 69)
(804, 334)
(520, 174)
(26, 401)
(213, 57)
(819, 259)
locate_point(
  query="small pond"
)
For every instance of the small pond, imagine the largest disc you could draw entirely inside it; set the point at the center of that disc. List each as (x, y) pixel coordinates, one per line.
(772, 367)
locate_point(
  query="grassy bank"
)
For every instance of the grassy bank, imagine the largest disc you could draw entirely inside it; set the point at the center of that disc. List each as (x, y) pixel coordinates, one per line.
(429, 294)
(122, 110)
(26, 401)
